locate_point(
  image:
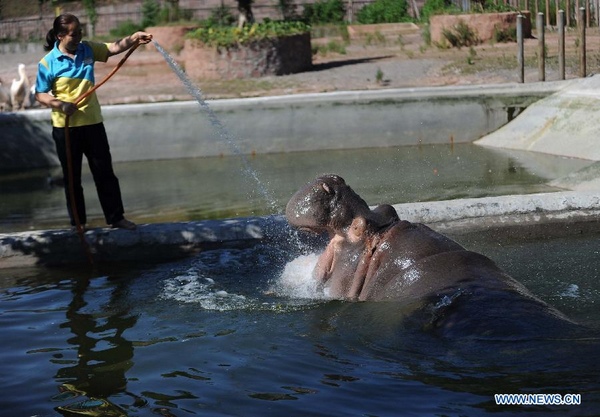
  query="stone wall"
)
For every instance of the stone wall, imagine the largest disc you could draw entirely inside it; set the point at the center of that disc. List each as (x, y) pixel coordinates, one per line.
(287, 55)
(169, 37)
(485, 25)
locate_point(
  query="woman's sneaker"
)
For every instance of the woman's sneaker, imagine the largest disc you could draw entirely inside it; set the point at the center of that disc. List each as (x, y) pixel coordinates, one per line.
(124, 224)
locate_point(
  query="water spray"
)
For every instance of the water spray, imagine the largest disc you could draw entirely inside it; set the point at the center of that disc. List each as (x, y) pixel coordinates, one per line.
(220, 127)
(225, 135)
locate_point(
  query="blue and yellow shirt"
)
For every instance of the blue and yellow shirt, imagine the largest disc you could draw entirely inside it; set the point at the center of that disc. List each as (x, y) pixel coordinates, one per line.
(67, 79)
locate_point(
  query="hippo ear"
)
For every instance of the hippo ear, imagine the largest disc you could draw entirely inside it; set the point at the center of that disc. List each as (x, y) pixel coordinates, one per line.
(326, 188)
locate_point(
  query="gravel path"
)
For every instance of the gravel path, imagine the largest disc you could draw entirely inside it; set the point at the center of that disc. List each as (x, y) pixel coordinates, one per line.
(147, 78)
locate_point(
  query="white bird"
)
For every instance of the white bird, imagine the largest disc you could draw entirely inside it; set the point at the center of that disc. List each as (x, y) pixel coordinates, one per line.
(4, 98)
(31, 102)
(19, 89)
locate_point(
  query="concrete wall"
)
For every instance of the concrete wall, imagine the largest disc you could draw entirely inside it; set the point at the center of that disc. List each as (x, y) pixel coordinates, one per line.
(278, 56)
(340, 120)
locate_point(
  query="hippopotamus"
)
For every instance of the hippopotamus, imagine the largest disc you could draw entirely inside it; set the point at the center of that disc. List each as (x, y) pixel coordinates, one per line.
(373, 255)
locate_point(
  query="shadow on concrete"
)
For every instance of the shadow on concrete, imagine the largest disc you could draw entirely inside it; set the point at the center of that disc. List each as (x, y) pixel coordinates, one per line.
(335, 64)
(26, 142)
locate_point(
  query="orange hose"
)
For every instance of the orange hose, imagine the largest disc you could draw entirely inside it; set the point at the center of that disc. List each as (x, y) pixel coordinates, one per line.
(74, 212)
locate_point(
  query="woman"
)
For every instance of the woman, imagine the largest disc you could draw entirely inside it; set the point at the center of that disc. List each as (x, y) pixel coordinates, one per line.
(65, 74)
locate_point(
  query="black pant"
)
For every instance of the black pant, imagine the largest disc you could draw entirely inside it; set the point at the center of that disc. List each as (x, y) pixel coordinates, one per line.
(92, 142)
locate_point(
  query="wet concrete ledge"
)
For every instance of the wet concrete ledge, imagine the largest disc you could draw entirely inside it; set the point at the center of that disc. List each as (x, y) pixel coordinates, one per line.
(518, 216)
(303, 122)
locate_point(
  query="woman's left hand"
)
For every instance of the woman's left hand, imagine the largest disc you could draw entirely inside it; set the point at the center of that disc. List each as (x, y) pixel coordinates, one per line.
(142, 37)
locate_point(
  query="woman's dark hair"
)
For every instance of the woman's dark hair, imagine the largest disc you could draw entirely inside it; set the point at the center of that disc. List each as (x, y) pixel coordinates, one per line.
(60, 27)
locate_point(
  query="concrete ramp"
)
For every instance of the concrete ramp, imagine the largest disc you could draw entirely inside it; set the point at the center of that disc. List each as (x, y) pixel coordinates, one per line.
(564, 123)
(586, 179)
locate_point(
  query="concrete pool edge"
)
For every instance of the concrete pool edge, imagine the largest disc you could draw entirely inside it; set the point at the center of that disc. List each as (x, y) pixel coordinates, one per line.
(274, 124)
(533, 215)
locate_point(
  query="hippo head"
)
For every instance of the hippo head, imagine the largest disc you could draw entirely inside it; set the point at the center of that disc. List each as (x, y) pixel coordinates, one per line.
(329, 204)
(326, 203)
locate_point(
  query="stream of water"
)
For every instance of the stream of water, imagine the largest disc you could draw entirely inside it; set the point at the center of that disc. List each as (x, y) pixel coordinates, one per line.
(222, 131)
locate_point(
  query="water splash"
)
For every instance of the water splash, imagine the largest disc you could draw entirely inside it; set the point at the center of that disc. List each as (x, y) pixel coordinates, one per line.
(219, 127)
(296, 280)
(294, 290)
(193, 287)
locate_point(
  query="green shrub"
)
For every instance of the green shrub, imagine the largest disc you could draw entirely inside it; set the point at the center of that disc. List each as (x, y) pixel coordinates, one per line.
(172, 13)
(376, 38)
(379, 76)
(331, 46)
(433, 7)
(506, 35)
(124, 29)
(324, 11)
(220, 16)
(496, 6)
(288, 9)
(150, 13)
(384, 11)
(230, 36)
(461, 35)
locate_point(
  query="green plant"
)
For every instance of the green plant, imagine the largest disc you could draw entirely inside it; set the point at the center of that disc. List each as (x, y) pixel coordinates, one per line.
(496, 6)
(384, 11)
(379, 76)
(220, 16)
(330, 30)
(400, 40)
(471, 56)
(460, 35)
(92, 14)
(324, 11)
(337, 47)
(123, 29)
(375, 38)
(171, 13)
(230, 36)
(433, 7)
(426, 34)
(331, 46)
(505, 35)
(288, 9)
(150, 12)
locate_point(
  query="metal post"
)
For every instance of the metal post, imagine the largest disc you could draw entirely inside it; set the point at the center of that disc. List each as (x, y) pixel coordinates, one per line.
(547, 13)
(561, 44)
(541, 48)
(520, 49)
(581, 27)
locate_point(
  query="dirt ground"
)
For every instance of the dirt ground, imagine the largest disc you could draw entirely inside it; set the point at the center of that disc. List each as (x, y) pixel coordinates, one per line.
(146, 77)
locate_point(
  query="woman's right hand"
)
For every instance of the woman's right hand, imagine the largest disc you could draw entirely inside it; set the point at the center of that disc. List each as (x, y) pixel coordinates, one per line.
(50, 101)
(68, 108)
